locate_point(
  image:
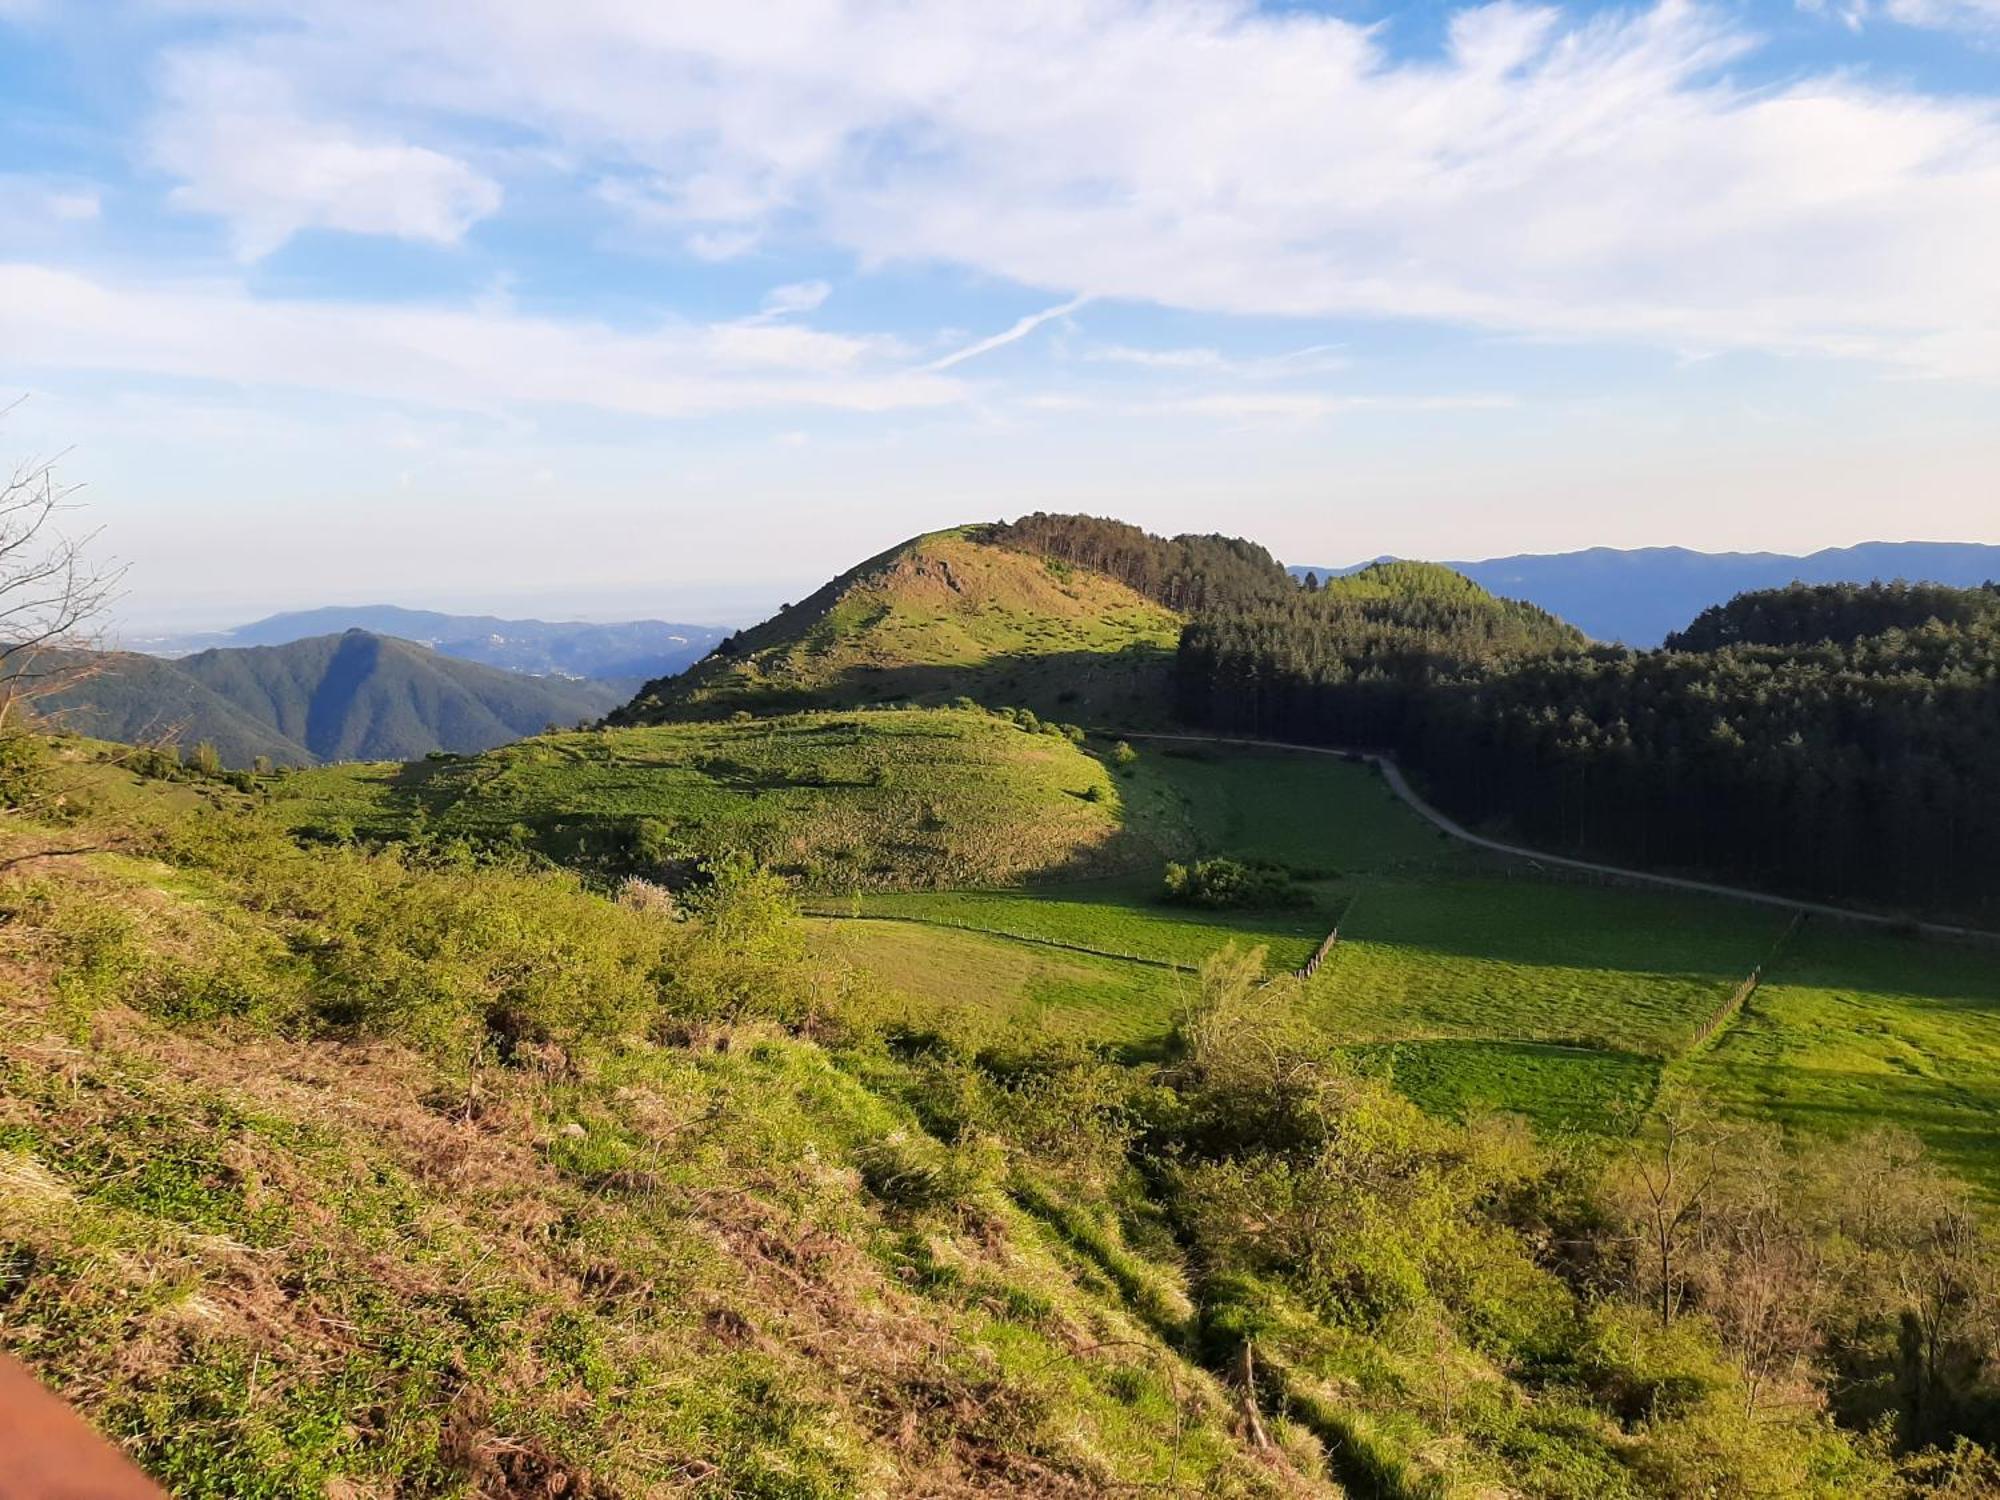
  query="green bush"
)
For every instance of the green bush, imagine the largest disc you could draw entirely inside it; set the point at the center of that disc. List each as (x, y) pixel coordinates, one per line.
(1232, 884)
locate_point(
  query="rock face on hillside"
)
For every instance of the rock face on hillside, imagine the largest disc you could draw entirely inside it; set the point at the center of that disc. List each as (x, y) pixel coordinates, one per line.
(945, 616)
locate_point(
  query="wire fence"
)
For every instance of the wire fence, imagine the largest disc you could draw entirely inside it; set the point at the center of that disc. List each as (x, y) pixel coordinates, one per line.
(1726, 1012)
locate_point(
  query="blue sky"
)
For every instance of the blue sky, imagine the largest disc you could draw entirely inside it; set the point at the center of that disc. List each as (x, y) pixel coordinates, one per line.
(606, 308)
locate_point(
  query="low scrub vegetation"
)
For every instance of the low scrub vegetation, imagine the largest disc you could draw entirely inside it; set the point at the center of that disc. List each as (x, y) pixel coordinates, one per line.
(433, 1170)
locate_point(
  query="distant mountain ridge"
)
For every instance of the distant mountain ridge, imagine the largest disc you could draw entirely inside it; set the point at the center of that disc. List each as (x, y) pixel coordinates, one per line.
(1639, 596)
(631, 650)
(351, 696)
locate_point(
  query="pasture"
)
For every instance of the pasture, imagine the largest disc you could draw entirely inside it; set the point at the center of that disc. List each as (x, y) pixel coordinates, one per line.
(1000, 882)
(840, 801)
(1473, 986)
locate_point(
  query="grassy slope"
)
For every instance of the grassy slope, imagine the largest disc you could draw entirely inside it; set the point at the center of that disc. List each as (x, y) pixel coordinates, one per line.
(1477, 991)
(1853, 1029)
(1471, 988)
(276, 1267)
(846, 801)
(940, 617)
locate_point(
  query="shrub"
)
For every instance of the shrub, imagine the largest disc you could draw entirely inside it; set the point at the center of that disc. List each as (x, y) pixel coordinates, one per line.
(1231, 884)
(1123, 756)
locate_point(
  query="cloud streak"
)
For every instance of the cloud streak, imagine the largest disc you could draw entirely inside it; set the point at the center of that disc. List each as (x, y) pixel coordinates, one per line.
(1019, 330)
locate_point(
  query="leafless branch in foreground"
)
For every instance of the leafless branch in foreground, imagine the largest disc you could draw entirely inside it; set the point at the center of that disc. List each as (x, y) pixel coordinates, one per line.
(53, 597)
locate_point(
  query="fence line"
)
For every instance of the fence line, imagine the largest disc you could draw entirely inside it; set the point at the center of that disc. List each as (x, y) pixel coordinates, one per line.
(1726, 1012)
(1311, 965)
(1327, 944)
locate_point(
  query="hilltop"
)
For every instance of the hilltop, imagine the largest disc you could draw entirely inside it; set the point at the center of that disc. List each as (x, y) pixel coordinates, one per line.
(948, 615)
(353, 696)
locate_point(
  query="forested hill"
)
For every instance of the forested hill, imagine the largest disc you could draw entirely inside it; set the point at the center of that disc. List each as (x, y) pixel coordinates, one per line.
(1834, 741)
(1638, 596)
(630, 650)
(1381, 637)
(1812, 614)
(353, 696)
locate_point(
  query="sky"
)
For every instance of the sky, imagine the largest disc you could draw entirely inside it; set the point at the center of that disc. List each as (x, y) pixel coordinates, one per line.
(605, 308)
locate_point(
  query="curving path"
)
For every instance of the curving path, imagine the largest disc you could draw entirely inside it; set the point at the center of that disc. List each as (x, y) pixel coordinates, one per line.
(1399, 784)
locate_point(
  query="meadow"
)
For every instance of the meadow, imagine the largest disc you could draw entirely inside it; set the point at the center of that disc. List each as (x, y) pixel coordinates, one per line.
(838, 801)
(1472, 985)
(1000, 882)
(1852, 1029)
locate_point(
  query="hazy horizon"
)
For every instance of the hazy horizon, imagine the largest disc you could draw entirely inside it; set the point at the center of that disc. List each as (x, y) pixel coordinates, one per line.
(733, 605)
(328, 301)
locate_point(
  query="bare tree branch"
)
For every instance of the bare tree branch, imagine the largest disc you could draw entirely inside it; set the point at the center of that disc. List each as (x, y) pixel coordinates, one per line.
(52, 596)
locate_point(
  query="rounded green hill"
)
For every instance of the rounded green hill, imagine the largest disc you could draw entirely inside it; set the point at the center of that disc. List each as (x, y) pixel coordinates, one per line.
(947, 615)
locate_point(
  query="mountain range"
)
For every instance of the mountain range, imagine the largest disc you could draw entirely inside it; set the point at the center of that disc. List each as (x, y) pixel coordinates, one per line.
(350, 696)
(1639, 596)
(629, 651)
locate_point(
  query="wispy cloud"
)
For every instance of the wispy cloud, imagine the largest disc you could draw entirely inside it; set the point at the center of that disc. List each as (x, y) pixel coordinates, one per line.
(472, 359)
(794, 297)
(1315, 359)
(1978, 17)
(1020, 329)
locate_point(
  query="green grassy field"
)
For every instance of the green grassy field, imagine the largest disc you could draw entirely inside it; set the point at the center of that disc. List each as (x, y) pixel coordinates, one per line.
(1525, 960)
(1312, 811)
(940, 850)
(1856, 1029)
(1118, 919)
(980, 988)
(1579, 1089)
(895, 798)
(1472, 989)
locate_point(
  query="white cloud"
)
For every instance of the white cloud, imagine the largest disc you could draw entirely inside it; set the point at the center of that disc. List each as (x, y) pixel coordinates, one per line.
(246, 153)
(1552, 174)
(468, 360)
(794, 297)
(1981, 17)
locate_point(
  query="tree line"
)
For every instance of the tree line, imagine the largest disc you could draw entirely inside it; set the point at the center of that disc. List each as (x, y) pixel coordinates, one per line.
(1185, 573)
(1834, 740)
